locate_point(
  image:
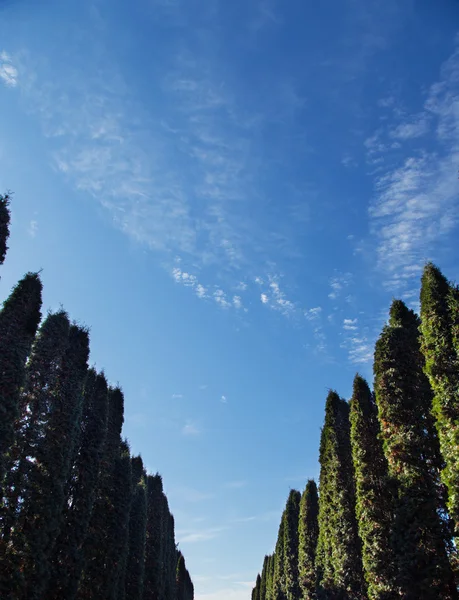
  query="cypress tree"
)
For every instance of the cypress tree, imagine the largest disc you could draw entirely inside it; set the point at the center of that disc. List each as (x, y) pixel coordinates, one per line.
(292, 514)
(152, 579)
(93, 583)
(257, 588)
(308, 534)
(264, 578)
(19, 320)
(137, 533)
(41, 515)
(339, 562)
(181, 582)
(4, 225)
(404, 398)
(68, 557)
(374, 494)
(439, 322)
(279, 564)
(35, 401)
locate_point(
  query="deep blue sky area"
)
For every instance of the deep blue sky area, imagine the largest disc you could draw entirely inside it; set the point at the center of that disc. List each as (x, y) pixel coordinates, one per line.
(229, 194)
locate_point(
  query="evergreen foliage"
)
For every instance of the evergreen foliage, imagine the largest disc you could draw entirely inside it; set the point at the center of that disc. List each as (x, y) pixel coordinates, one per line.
(68, 557)
(4, 225)
(374, 494)
(41, 513)
(292, 514)
(339, 562)
(404, 400)
(279, 563)
(439, 327)
(153, 571)
(19, 319)
(308, 534)
(137, 533)
(264, 578)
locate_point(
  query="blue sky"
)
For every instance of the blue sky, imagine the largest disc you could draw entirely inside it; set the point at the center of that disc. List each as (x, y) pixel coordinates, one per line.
(229, 194)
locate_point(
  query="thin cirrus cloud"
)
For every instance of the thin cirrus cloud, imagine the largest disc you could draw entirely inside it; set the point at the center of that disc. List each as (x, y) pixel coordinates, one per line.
(414, 207)
(8, 72)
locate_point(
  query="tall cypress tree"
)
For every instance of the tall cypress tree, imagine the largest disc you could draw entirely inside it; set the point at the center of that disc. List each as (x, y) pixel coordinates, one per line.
(264, 578)
(152, 579)
(257, 588)
(439, 322)
(4, 225)
(308, 534)
(19, 320)
(181, 578)
(404, 398)
(339, 562)
(68, 558)
(35, 401)
(137, 533)
(93, 582)
(279, 563)
(41, 515)
(374, 494)
(292, 514)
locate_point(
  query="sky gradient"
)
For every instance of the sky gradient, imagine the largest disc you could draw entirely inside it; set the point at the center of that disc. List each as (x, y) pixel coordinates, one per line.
(229, 194)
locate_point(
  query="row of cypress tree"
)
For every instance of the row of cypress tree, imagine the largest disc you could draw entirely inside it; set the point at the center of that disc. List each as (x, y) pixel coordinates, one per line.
(384, 523)
(80, 518)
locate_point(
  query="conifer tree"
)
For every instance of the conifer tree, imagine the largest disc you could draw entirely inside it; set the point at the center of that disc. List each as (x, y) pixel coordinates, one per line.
(137, 532)
(41, 515)
(404, 397)
(257, 588)
(279, 563)
(35, 401)
(152, 578)
(19, 320)
(374, 494)
(181, 578)
(68, 559)
(264, 578)
(339, 562)
(4, 225)
(439, 323)
(308, 534)
(292, 514)
(93, 582)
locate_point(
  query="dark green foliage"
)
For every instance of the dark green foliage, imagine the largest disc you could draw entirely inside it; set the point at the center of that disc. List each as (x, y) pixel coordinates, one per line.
(41, 514)
(137, 533)
(19, 320)
(184, 586)
(94, 581)
(374, 494)
(308, 535)
(339, 563)
(68, 559)
(439, 327)
(292, 514)
(153, 571)
(35, 401)
(264, 578)
(256, 594)
(404, 398)
(279, 563)
(73, 503)
(4, 225)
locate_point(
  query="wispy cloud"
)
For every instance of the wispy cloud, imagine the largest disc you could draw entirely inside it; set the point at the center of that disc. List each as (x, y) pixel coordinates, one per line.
(32, 230)
(276, 298)
(177, 396)
(8, 72)
(350, 324)
(235, 485)
(223, 399)
(415, 205)
(193, 536)
(191, 429)
(338, 283)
